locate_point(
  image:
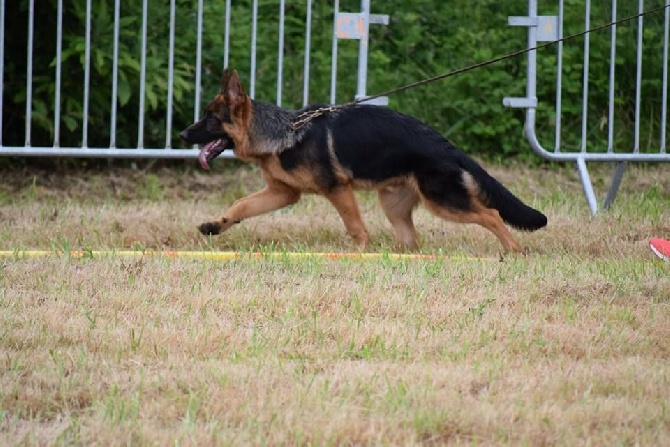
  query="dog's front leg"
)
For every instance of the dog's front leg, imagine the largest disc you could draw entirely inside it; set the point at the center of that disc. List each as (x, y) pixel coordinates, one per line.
(344, 201)
(270, 199)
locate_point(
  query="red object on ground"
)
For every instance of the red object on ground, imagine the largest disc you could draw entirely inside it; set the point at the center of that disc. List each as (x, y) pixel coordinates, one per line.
(661, 248)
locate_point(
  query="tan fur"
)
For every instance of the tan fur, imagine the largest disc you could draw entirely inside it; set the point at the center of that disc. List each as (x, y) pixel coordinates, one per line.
(239, 131)
(276, 195)
(343, 175)
(398, 202)
(344, 201)
(300, 179)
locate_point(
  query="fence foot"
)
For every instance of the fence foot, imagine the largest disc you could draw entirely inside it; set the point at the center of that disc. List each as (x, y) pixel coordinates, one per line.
(587, 185)
(614, 186)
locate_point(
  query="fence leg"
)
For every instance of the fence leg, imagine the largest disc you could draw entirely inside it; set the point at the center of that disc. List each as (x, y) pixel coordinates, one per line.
(587, 185)
(614, 186)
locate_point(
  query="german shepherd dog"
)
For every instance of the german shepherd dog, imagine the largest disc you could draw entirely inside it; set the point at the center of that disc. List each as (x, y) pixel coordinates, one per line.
(360, 146)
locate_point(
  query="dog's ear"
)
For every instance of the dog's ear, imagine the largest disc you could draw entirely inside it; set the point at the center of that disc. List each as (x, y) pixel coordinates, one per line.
(234, 92)
(225, 77)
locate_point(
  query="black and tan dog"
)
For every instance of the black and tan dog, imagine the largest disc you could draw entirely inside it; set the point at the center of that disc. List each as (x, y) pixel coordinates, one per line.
(359, 146)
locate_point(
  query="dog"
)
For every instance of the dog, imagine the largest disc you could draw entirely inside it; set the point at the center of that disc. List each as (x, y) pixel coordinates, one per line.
(354, 147)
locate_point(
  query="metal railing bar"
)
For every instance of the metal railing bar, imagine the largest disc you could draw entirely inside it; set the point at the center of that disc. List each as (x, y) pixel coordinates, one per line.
(361, 79)
(170, 86)
(254, 30)
(585, 76)
(59, 52)
(198, 64)
(664, 94)
(88, 152)
(308, 43)
(2, 61)
(559, 78)
(280, 55)
(29, 70)
(226, 38)
(159, 153)
(610, 105)
(115, 73)
(333, 65)
(638, 78)
(87, 75)
(143, 75)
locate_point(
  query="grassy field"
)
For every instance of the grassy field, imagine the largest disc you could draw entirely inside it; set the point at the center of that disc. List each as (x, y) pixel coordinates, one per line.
(567, 346)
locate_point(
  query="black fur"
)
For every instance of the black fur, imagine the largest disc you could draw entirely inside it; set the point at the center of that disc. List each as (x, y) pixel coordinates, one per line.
(512, 210)
(377, 143)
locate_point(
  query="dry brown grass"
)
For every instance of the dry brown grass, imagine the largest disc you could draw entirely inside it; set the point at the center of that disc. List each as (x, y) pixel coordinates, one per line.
(569, 346)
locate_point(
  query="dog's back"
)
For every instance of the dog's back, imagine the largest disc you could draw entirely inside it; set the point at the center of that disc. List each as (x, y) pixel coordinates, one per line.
(377, 146)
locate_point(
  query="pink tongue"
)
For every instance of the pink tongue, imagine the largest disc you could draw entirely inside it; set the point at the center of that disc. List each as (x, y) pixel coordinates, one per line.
(202, 158)
(205, 151)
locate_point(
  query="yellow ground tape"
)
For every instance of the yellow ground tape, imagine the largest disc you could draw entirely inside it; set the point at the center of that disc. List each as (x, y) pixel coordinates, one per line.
(225, 255)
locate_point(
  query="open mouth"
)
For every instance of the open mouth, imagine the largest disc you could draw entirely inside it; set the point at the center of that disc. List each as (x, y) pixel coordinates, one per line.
(210, 151)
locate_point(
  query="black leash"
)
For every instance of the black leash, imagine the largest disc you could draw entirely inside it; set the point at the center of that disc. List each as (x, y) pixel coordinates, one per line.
(306, 117)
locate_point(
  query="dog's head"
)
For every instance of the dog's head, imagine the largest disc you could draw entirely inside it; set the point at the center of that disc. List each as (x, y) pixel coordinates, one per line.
(216, 130)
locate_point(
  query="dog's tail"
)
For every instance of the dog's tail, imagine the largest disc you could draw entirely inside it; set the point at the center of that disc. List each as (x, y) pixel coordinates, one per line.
(493, 194)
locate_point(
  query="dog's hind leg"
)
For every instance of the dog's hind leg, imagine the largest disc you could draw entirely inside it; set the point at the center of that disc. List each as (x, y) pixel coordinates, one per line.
(344, 201)
(452, 194)
(398, 202)
(488, 218)
(273, 197)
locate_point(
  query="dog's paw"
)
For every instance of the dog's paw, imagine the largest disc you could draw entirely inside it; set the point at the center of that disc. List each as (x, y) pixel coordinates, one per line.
(210, 228)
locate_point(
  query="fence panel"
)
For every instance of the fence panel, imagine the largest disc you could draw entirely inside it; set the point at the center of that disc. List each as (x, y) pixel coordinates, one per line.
(606, 148)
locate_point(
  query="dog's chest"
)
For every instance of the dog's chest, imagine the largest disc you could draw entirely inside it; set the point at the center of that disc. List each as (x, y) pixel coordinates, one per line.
(298, 177)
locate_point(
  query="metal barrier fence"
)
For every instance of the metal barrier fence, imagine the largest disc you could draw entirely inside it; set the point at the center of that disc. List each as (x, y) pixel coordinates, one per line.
(550, 28)
(345, 26)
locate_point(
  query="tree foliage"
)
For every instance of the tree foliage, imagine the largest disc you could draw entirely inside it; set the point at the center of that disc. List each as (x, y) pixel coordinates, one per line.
(424, 38)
